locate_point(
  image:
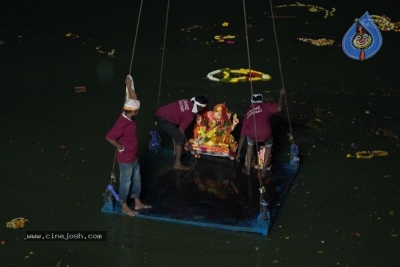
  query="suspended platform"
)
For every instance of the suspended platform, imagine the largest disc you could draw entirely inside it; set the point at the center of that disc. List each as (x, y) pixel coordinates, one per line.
(214, 193)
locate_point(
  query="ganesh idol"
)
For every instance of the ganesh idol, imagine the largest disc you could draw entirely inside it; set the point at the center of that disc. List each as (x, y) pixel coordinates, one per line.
(212, 132)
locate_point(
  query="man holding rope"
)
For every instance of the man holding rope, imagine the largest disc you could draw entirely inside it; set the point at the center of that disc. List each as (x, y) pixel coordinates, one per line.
(123, 136)
(256, 127)
(174, 118)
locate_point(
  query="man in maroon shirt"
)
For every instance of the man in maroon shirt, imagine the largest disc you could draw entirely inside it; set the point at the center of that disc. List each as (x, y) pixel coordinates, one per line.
(124, 137)
(174, 118)
(256, 128)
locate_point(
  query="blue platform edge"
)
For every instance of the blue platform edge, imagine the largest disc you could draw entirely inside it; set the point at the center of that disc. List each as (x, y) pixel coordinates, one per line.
(114, 208)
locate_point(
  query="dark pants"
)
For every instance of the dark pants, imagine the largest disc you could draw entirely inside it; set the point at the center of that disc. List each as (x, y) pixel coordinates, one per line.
(172, 130)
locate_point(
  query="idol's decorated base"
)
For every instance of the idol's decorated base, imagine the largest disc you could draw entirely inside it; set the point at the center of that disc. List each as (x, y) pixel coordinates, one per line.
(214, 151)
(214, 193)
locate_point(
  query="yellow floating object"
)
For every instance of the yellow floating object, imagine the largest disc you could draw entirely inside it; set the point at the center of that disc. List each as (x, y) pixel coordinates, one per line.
(237, 75)
(222, 38)
(384, 23)
(312, 8)
(368, 154)
(16, 223)
(317, 42)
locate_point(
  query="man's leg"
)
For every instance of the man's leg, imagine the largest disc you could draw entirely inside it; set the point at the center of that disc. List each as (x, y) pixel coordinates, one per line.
(178, 165)
(249, 155)
(136, 187)
(125, 178)
(267, 156)
(177, 140)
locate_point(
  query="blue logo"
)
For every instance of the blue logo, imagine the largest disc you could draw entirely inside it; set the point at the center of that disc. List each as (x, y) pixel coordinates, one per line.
(363, 39)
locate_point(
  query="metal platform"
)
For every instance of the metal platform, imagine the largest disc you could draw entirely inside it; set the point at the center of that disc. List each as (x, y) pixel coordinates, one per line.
(214, 193)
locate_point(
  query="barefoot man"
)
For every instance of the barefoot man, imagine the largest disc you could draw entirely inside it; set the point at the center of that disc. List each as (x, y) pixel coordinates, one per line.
(124, 137)
(174, 118)
(256, 127)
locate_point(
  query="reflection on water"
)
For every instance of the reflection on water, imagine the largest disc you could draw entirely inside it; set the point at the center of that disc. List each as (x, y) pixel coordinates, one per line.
(213, 193)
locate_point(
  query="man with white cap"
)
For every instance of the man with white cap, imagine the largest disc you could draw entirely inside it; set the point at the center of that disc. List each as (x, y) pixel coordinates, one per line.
(174, 118)
(123, 136)
(256, 127)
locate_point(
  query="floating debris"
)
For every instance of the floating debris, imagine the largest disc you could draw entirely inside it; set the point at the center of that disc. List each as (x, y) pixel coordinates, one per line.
(237, 75)
(312, 8)
(384, 23)
(191, 28)
(2, 42)
(111, 53)
(73, 36)
(222, 38)
(313, 126)
(16, 223)
(317, 42)
(80, 89)
(368, 154)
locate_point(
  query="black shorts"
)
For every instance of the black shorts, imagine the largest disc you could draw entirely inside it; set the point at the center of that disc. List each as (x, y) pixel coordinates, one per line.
(172, 130)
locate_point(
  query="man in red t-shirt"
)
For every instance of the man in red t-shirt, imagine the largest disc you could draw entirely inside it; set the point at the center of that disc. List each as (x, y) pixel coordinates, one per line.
(124, 137)
(174, 118)
(256, 128)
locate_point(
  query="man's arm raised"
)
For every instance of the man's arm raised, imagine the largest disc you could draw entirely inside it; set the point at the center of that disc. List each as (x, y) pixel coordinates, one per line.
(130, 87)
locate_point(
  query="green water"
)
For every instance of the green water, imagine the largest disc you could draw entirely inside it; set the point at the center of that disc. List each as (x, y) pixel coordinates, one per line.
(55, 162)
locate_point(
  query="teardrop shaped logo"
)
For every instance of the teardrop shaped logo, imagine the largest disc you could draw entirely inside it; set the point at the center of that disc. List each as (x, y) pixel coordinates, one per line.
(363, 39)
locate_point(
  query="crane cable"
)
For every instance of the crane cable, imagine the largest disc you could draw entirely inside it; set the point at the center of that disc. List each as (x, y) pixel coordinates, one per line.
(262, 202)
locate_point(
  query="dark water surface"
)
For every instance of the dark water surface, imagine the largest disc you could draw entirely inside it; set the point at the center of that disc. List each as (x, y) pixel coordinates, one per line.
(55, 162)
